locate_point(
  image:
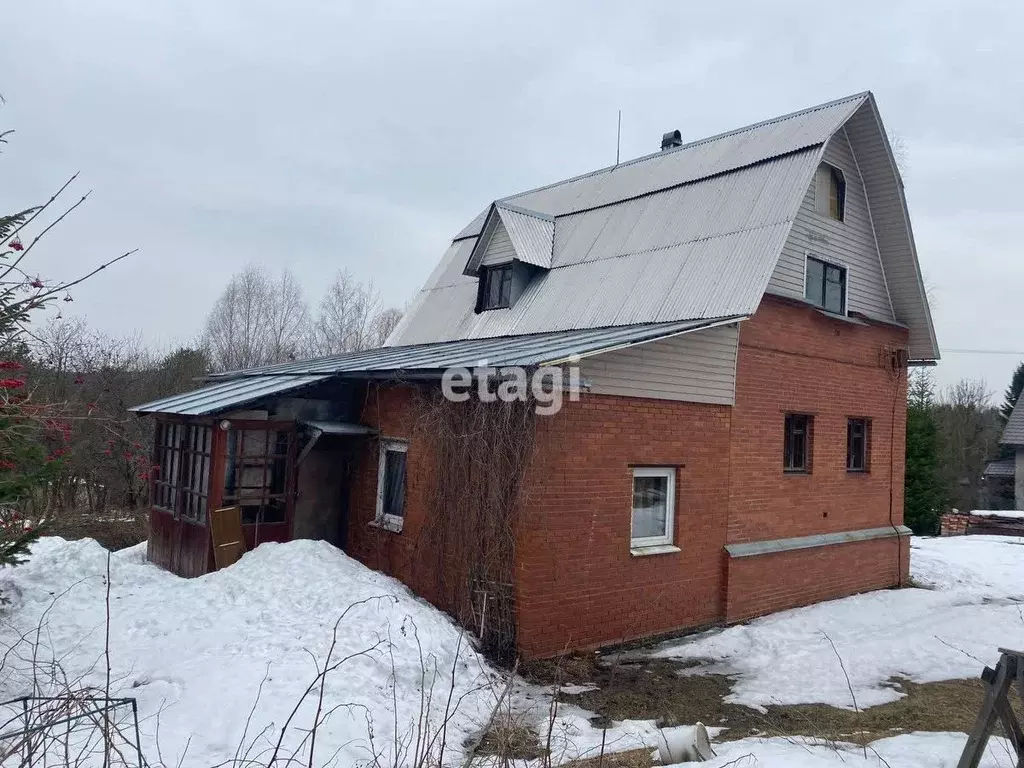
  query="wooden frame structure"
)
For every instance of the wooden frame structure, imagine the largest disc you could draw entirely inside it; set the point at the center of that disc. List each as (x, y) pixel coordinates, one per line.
(996, 708)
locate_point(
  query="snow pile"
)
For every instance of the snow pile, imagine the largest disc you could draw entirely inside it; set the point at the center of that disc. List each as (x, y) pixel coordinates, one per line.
(912, 750)
(1013, 514)
(971, 610)
(205, 652)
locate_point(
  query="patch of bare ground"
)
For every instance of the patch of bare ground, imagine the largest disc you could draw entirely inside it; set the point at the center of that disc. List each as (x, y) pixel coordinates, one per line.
(653, 689)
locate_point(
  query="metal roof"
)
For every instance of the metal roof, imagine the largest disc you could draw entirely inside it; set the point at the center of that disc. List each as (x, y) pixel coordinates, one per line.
(237, 388)
(225, 395)
(1013, 432)
(528, 350)
(341, 428)
(1001, 468)
(685, 233)
(532, 235)
(702, 250)
(687, 163)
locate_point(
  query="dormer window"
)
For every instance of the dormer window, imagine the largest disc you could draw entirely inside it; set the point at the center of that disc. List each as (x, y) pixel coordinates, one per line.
(825, 286)
(495, 287)
(830, 192)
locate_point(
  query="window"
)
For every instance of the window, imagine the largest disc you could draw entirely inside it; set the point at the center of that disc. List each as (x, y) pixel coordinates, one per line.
(391, 484)
(496, 287)
(825, 286)
(256, 474)
(796, 455)
(654, 501)
(858, 433)
(830, 192)
(182, 482)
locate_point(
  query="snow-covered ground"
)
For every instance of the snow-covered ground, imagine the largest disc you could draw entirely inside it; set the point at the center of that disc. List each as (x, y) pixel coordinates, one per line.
(971, 606)
(205, 652)
(1016, 514)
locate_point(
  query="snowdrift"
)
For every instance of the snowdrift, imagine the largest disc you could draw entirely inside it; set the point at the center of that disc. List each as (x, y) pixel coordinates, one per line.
(226, 658)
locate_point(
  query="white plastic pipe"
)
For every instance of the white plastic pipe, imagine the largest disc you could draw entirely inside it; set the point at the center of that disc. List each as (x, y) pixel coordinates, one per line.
(687, 743)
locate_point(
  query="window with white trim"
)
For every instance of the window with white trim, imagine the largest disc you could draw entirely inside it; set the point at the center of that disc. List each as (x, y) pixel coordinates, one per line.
(654, 501)
(825, 285)
(391, 472)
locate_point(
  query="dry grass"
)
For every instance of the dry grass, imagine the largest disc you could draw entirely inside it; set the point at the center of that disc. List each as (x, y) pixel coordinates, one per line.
(113, 534)
(653, 689)
(511, 740)
(634, 758)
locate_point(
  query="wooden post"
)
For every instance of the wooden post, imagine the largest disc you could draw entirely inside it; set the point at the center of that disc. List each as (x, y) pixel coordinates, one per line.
(996, 707)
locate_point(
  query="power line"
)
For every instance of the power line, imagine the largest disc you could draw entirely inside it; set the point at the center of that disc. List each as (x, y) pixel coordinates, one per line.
(983, 352)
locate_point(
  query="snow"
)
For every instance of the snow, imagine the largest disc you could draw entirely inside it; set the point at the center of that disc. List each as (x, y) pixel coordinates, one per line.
(971, 608)
(204, 652)
(912, 750)
(1014, 514)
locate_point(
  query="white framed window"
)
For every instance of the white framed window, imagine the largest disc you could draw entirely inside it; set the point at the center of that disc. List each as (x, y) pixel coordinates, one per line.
(825, 285)
(391, 472)
(654, 502)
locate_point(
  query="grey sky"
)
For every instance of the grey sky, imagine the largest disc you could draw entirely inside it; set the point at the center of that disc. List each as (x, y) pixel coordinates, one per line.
(321, 135)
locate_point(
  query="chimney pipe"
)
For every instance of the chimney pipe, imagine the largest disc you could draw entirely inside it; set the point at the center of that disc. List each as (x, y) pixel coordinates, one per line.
(671, 139)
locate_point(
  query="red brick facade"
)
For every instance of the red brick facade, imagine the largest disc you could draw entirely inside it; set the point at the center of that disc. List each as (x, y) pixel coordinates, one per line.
(578, 585)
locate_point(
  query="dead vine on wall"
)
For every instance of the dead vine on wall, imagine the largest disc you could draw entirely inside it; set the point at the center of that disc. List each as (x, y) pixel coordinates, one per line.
(482, 451)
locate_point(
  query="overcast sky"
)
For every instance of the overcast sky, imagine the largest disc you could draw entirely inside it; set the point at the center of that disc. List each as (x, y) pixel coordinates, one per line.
(322, 135)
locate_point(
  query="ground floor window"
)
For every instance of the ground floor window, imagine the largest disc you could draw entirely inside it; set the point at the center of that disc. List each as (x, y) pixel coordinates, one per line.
(183, 455)
(654, 498)
(256, 474)
(391, 471)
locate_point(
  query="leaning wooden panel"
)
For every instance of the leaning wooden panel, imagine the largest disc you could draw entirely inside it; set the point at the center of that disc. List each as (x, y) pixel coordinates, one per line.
(228, 537)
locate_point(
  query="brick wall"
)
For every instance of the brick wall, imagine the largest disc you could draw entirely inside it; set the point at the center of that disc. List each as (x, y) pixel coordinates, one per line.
(577, 583)
(954, 524)
(767, 583)
(794, 359)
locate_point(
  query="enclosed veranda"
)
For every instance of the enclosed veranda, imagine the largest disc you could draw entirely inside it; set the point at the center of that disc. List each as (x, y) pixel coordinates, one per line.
(210, 454)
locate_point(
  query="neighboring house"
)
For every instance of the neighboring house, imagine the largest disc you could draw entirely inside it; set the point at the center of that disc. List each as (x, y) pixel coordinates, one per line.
(745, 308)
(1013, 436)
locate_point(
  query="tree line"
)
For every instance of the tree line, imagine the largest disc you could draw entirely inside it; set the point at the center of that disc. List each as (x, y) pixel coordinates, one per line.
(261, 318)
(951, 435)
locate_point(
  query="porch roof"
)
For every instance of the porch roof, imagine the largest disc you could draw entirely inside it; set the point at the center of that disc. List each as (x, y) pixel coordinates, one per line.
(229, 391)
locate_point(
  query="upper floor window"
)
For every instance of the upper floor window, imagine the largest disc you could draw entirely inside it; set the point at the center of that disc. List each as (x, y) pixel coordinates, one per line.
(858, 432)
(496, 287)
(796, 450)
(825, 285)
(830, 192)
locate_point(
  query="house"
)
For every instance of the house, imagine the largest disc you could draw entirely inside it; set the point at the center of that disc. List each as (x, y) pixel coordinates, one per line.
(1013, 437)
(730, 321)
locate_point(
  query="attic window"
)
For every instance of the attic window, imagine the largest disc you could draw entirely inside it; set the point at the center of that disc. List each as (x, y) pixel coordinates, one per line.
(825, 286)
(830, 192)
(495, 287)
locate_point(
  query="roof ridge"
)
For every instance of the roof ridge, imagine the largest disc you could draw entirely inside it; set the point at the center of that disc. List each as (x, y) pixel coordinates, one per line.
(690, 145)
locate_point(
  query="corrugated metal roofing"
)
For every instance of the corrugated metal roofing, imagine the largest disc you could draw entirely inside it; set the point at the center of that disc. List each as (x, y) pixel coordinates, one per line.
(680, 234)
(688, 163)
(531, 234)
(226, 395)
(535, 349)
(340, 428)
(1013, 432)
(1001, 468)
(698, 251)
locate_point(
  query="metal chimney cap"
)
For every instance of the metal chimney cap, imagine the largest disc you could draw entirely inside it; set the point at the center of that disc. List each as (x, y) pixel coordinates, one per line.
(671, 139)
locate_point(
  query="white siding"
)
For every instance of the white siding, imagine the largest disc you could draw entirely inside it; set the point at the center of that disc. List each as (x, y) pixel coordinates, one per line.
(850, 243)
(698, 367)
(499, 249)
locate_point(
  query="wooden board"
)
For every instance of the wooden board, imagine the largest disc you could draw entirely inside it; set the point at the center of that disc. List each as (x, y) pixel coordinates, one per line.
(227, 535)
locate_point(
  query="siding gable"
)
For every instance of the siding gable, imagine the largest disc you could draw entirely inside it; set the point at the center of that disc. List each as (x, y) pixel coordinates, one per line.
(850, 243)
(697, 367)
(499, 249)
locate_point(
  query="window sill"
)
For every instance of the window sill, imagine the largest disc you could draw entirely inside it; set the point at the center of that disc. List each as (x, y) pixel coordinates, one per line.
(391, 524)
(657, 549)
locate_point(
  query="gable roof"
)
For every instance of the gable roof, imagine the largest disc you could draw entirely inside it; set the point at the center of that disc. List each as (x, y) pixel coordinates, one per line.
(686, 233)
(1013, 432)
(532, 235)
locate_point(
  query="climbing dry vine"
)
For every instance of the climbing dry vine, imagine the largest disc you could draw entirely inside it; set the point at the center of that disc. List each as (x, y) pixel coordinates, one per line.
(482, 451)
